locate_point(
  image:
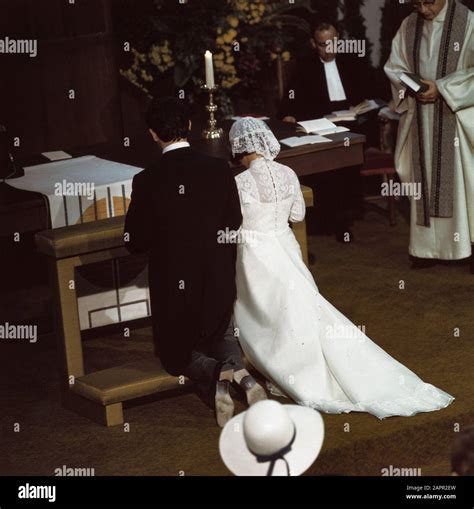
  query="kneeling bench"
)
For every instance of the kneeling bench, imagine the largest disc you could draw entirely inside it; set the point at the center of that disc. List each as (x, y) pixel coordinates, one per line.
(110, 387)
(121, 383)
(99, 395)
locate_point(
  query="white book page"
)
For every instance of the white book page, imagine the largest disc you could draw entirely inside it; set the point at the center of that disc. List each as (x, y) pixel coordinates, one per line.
(298, 141)
(317, 125)
(57, 155)
(337, 129)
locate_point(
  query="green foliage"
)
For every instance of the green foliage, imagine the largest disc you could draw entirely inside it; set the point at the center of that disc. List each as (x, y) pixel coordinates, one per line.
(169, 40)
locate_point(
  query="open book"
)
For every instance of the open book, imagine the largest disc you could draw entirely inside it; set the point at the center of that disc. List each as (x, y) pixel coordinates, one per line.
(351, 114)
(413, 82)
(298, 141)
(321, 126)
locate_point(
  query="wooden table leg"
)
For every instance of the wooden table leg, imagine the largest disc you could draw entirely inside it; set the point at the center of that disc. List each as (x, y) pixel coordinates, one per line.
(67, 327)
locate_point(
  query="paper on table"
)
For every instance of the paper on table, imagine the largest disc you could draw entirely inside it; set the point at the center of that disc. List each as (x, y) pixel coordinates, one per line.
(57, 155)
(339, 116)
(298, 141)
(352, 114)
(367, 105)
(343, 113)
(386, 112)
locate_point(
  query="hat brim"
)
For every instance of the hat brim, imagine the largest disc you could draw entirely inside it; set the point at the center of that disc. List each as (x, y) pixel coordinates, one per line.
(306, 447)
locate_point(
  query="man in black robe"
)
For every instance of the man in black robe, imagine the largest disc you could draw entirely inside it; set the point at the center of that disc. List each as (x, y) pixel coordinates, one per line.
(325, 81)
(180, 206)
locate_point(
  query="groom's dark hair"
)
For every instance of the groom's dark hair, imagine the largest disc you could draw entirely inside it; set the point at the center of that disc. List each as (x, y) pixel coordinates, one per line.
(169, 118)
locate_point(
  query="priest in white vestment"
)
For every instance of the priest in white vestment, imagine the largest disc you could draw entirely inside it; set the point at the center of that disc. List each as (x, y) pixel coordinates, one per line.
(436, 132)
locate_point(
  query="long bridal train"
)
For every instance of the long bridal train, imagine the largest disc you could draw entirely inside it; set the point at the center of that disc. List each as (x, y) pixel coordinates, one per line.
(300, 342)
(312, 353)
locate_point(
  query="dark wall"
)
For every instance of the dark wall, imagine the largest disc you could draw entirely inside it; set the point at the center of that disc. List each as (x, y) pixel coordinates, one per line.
(75, 51)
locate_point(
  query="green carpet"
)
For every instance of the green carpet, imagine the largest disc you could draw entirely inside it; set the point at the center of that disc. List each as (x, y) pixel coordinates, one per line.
(177, 434)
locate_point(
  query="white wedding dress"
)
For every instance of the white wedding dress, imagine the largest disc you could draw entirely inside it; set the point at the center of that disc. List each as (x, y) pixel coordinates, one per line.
(290, 333)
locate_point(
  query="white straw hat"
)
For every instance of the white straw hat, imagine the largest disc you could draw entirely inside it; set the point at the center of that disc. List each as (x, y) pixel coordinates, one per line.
(272, 439)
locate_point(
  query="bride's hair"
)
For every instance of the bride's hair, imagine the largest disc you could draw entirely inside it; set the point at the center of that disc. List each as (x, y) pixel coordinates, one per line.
(237, 158)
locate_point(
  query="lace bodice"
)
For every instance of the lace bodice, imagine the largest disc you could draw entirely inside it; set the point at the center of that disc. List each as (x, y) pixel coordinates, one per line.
(270, 196)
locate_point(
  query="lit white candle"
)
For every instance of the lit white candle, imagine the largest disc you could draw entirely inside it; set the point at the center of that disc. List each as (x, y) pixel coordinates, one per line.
(209, 69)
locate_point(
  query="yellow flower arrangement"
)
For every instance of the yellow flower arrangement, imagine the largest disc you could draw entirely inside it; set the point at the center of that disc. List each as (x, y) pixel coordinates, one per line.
(252, 11)
(224, 56)
(145, 76)
(285, 56)
(233, 21)
(132, 77)
(232, 28)
(230, 35)
(160, 56)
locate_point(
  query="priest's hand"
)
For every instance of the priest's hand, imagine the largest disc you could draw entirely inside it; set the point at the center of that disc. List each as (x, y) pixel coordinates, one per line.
(431, 95)
(289, 119)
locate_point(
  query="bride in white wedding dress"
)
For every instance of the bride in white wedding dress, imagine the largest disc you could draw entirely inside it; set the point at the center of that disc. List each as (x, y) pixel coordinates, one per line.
(291, 334)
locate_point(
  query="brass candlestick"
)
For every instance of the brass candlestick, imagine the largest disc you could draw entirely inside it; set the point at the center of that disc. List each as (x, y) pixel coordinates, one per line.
(212, 132)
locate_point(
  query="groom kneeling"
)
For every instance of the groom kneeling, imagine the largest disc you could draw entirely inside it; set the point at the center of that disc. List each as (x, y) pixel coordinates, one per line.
(179, 205)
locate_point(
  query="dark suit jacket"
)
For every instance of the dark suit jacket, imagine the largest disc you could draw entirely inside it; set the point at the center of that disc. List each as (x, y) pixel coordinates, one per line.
(178, 206)
(311, 98)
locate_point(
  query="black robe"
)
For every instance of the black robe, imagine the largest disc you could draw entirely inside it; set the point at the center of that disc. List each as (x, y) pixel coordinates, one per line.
(311, 99)
(179, 204)
(337, 194)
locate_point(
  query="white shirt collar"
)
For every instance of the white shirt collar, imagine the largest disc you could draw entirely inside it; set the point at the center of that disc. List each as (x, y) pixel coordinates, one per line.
(333, 61)
(175, 146)
(441, 14)
(333, 81)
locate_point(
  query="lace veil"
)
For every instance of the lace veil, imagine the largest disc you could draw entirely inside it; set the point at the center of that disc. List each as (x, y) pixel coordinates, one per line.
(253, 136)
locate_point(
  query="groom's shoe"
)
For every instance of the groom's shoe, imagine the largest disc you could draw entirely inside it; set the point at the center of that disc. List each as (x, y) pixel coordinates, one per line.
(224, 403)
(253, 390)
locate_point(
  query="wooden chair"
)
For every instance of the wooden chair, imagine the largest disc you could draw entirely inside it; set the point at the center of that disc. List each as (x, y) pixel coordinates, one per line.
(381, 165)
(379, 162)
